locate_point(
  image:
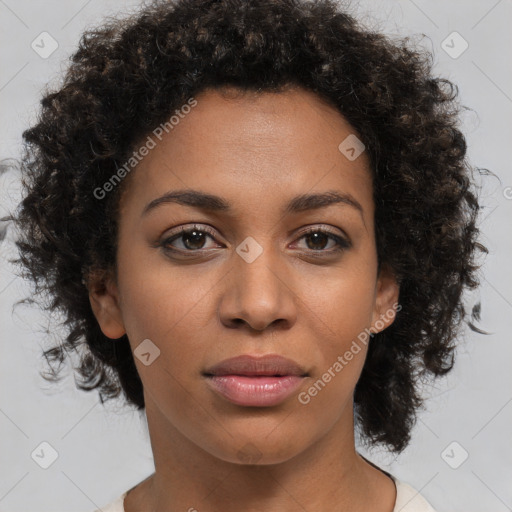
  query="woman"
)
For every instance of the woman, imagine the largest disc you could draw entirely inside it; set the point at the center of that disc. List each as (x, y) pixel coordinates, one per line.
(259, 218)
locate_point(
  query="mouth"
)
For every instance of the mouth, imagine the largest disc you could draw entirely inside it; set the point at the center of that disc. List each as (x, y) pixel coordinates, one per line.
(255, 381)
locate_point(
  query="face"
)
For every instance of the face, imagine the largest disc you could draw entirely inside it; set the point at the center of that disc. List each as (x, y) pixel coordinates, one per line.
(259, 272)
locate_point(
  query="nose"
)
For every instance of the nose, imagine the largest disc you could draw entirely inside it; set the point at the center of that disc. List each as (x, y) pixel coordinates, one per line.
(259, 294)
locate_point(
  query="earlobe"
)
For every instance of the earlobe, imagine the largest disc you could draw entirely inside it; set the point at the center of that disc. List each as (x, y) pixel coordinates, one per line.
(386, 301)
(104, 300)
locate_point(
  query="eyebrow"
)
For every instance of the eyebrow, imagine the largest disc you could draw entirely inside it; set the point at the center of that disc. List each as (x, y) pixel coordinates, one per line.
(213, 203)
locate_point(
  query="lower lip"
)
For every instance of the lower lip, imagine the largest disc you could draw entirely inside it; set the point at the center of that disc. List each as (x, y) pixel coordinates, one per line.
(255, 391)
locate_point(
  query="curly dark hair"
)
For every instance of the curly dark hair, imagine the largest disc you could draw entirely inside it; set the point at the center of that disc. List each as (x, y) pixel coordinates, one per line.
(130, 74)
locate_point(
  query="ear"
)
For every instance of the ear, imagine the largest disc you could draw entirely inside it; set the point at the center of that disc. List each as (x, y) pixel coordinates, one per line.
(104, 299)
(386, 299)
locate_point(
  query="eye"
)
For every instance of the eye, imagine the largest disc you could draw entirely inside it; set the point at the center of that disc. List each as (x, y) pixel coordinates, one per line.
(317, 238)
(193, 240)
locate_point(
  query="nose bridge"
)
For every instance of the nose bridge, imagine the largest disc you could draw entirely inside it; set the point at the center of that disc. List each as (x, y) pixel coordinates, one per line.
(258, 291)
(257, 268)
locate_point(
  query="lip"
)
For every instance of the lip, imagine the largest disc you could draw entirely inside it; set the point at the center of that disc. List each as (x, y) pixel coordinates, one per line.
(258, 381)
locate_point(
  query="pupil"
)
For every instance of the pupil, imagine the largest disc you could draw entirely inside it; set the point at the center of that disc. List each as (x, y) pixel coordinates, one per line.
(196, 236)
(315, 236)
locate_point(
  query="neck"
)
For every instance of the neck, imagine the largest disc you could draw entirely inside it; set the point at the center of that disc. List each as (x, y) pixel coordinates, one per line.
(328, 472)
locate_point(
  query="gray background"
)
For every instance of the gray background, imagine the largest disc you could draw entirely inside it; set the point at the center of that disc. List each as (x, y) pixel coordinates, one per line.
(104, 450)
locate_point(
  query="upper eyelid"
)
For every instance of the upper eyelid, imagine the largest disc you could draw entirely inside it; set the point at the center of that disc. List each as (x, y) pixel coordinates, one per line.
(302, 232)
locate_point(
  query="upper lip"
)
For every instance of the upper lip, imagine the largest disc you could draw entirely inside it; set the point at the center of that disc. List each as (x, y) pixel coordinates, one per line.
(269, 364)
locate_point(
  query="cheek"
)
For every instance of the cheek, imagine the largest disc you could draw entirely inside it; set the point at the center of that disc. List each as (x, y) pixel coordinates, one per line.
(341, 308)
(156, 294)
(167, 307)
(160, 302)
(341, 311)
(341, 351)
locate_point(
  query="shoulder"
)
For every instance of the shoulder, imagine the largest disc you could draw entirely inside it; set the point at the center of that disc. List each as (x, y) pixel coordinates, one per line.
(114, 506)
(409, 499)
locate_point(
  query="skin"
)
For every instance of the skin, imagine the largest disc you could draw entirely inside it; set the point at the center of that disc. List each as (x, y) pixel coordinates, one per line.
(257, 151)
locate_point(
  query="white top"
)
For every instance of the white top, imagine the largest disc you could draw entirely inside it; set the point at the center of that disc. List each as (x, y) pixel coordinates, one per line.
(407, 500)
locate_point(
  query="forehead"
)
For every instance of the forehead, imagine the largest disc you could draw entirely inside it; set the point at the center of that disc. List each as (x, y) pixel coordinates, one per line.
(252, 148)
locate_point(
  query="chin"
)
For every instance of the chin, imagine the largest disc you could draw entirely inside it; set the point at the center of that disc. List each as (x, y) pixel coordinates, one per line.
(258, 450)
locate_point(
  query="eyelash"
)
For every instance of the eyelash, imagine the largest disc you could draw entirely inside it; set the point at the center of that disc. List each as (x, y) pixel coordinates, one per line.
(342, 244)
